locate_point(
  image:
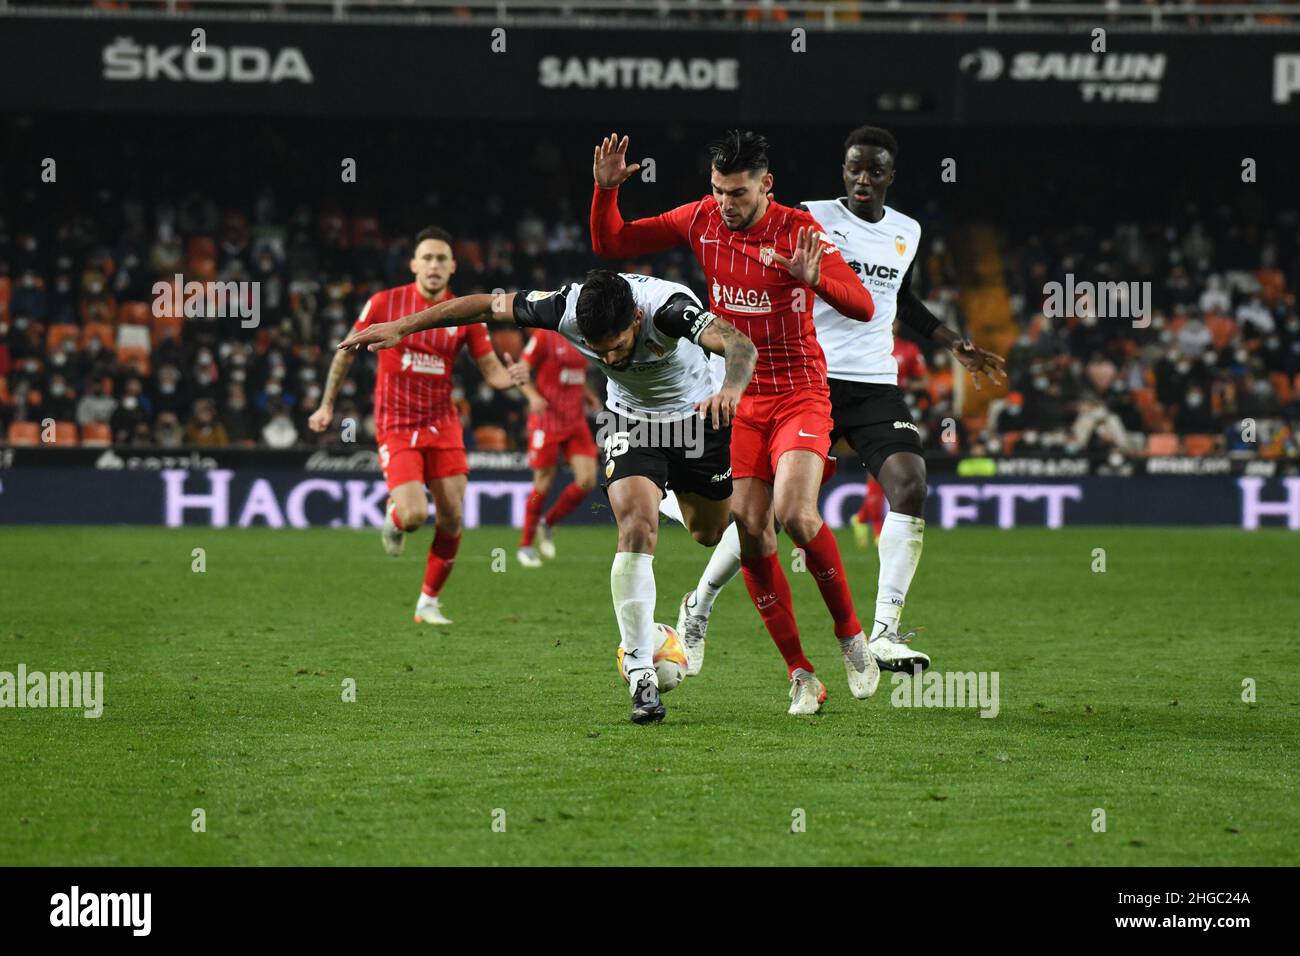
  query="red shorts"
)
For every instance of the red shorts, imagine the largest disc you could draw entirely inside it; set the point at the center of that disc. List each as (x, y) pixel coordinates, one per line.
(422, 455)
(544, 447)
(768, 426)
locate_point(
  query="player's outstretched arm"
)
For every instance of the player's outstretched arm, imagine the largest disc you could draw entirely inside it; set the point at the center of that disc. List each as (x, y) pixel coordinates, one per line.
(817, 262)
(501, 376)
(723, 338)
(914, 313)
(611, 236)
(323, 417)
(465, 310)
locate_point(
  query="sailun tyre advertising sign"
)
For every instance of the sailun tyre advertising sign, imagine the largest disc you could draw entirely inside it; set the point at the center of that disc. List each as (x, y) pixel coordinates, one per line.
(966, 77)
(227, 497)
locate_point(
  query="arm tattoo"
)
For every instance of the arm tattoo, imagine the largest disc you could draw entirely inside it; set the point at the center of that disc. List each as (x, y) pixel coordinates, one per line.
(740, 355)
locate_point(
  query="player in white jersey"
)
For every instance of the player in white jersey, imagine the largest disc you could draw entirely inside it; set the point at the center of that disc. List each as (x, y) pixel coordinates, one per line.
(668, 426)
(867, 406)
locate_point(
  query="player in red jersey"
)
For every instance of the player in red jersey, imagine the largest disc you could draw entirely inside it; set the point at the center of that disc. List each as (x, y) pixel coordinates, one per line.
(869, 521)
(558, 400)
(416, 425)
(764, 263)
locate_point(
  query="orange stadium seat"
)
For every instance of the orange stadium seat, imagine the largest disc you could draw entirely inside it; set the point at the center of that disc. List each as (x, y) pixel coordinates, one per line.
(1162, 444)
(490, 438)
(135, 313)
(166, 327)
(65, 434)
(101, 331)
(59, 333)
(1282, 386)
(203, 269)
(96, 435)
(6, 290)
(1199, 446)
(508, 342)
(135, 357)
(200, 247)
(24, 433)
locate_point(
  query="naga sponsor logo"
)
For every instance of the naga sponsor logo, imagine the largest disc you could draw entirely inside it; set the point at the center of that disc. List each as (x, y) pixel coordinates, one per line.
(572, 376)
(637, 73)
(738, 299)
(1102, 77)
(1286, 77)
(424, 363)
(124, 59)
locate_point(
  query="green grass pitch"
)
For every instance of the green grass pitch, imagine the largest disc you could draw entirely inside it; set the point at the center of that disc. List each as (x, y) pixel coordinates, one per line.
(1120, 691)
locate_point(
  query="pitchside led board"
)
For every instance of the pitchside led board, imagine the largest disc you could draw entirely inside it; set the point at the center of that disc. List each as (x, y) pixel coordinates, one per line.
(516, 73)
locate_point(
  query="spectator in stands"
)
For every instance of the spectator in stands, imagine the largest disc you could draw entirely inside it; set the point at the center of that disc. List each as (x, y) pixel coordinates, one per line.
(167, 431)
(204, 427)
(279, 430)
(96, 405)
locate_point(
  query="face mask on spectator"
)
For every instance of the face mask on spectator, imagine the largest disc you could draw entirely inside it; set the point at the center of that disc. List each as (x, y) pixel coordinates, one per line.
(238, 375)
(167, 387)
(1242, 356)
(59, 359)
(1041, 383)
(308, 375)
(21, 323)
(130, 403)
(1194, 399)
(57, 388)
(1184, 367)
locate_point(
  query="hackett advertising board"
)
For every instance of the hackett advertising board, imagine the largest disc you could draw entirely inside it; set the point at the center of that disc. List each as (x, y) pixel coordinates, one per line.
(534, 75)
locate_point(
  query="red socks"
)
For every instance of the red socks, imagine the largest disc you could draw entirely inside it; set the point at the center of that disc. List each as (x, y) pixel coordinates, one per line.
(437, 568)
(823, 557)
(770, 592)
(569, 499)
(873, 506)
(532, 512)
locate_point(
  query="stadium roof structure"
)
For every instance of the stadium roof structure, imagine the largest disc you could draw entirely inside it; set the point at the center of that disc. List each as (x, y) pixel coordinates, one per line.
(846, 15)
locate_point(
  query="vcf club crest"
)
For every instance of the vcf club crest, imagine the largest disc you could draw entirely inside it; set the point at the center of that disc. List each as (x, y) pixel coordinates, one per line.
(900, 245)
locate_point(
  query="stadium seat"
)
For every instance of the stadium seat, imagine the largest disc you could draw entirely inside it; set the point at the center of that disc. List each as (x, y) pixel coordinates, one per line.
(101, 331)
(135, 313)
(96, 435)
(25, 434)
(6, 290)
(1200, 445)
(1281, 386)
(1162, 444)
(508, 342)
(65, 434)
(166, 327)
(200, 247)
(135, 357)
(59, 333)
(490, 438)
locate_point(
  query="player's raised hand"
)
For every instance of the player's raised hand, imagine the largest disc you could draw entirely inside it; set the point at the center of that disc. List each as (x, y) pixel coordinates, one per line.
(609, 163)
(720, 407)
(805, 264)
(381, 335)
(979, 361)
(518, 371)
(321, 419)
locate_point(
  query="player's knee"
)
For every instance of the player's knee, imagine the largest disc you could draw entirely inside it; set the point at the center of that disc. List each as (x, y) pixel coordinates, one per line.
(585, 482)
(709, 537)
(409, 518)
(907, 493)
(448, 522)
(638, 533)
(800, 522)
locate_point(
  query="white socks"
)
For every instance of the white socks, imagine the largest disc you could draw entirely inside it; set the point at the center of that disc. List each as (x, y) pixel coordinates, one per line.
(900, 552)
(632, 584)
(724, 564)
(669, 508)
(425, 601)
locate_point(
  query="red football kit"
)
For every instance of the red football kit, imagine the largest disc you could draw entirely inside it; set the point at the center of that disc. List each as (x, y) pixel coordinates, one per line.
(559, 374)
(416, 425)
(787, 404)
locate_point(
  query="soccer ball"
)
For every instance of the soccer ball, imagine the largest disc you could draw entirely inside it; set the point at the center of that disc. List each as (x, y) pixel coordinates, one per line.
(670, 658)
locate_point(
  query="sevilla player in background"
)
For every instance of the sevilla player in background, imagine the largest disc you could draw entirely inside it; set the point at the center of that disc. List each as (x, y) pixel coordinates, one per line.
(558, 400)
(764, 263)
(416, 425)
